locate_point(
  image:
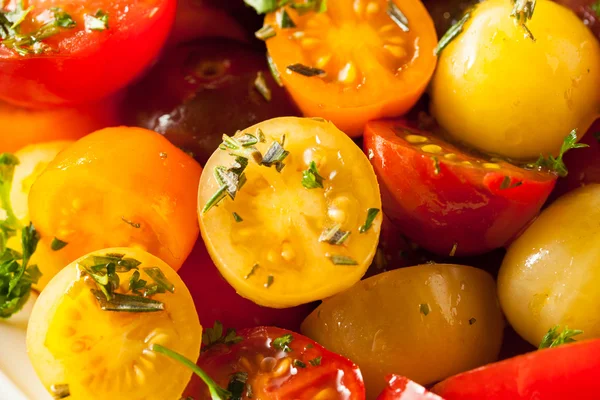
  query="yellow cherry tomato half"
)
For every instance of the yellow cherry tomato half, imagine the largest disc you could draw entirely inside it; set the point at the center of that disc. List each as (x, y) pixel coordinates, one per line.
(369, 58)
(550, 274)
(291, 234)
(101, 354)
(501, 92)
(426, 322)
(119, 187)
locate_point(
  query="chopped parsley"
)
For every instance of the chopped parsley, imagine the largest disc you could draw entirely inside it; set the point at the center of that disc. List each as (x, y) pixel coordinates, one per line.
(268, 6)
(252, 271)
(507, 183)
(283, 342)
(237, 384)
(57, 244)
(96, 22)
(275, 155)
(261, 86)
(424, 309)
(214, 335)
(371, 214)
(334, 235)
(284, 20)
(306, 71)
(557, 164)
(472, 321)
(311, 178)
(298, 364)
(342, 260)
(265, 33)
(274, 71)
(237, 217)
(553, 339)
(270, 280)
(315, 362)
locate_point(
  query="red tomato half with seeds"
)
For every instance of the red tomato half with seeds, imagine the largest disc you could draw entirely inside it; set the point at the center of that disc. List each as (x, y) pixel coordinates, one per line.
(446, 200)
(402, 388)
(570, 371)
(275, 364)
(73, 51)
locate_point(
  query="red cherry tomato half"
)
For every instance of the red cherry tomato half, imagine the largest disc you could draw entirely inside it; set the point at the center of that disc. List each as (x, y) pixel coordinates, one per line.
(216, 300)
(567, 372)
(280, 365)
(201, 90)
(401, 388)
(446, 200)
(583, 164)
(87, 49)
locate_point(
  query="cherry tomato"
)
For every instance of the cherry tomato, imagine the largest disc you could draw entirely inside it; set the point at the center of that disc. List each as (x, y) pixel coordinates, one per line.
(102, 354)
(583, 164)
(277, 364)
(567, 372)
(119, 187)
(448, 12)
(402, 388)
(446, 200)
(550, 273)
(199, 18)
(306, 211)
(537, 100)
(216, 300)
(367, 66)
(84, 51)
(204, 89)
(587, 10)
(412, 321)
(24, 127)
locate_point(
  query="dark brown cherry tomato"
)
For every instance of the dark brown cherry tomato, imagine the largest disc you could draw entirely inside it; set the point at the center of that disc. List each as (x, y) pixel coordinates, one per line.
(201, 90)
(216, 300)
(277, 364)
(402, 388)
(446, 200)
(446, 13)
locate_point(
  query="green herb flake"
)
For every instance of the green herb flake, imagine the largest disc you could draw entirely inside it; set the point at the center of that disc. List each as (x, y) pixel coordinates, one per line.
(394, 12)
(159, 278)
(311, 178)
(57, 244)
(298, 364)
(270, 280)
(237, 217)
(507, 183)
(127, 303)
(304, 70)
(275, 155)
(436, 165)
(214, 335)
(284, 20)
(557, 164)
(135, 225)
(424, 309)
(371, 215)
(554, 339)
(62, 19)
(265, 33)
(261, 86)
(283, 342)
(334, 235)
(237, 384)
(274, 71)
(451, 34)
(342, 260)
(472, 321)
(60, 391)
(596, 8)
(315, 362)
(252, 271)
(96, 22)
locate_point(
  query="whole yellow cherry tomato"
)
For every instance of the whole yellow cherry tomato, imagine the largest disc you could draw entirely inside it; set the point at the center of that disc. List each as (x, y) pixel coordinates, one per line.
(501, 92)
(99, 353)
(426, 323)
(551, 273)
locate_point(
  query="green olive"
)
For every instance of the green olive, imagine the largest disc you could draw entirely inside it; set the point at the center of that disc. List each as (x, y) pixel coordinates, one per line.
(425, 322)
(550, 275)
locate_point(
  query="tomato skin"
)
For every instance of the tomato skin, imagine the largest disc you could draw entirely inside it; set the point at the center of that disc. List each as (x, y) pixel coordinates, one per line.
(584, 9)
(567, 372)
(201, 90)
(216, 300)
(78, 73)
(331, 375)
(402, 388)
(459, 204)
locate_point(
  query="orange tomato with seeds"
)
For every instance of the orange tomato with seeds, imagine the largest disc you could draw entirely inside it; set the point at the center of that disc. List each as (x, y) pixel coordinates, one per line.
(119, 187)
(368, 66)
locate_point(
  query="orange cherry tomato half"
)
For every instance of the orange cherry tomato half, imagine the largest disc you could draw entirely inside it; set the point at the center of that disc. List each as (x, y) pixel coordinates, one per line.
(71, 52)
(276, 364)
(119, 187)
(366, 66)
(22, 127)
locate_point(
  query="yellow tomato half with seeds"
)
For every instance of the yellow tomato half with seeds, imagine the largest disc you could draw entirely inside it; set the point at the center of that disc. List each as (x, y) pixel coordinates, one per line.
(289, 211)
(81, 343)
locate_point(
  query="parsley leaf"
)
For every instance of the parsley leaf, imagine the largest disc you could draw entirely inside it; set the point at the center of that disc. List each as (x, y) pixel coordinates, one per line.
(556, 164)
(371, 214)
(311, 178)
(237, 384)
(596, 8)
(553, 339)
(283, 342)
(214, 335)
(315, 362)
(57, 244)
(96, 22)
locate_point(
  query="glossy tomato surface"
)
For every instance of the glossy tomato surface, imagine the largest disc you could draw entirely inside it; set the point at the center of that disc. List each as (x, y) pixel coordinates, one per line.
(402, 388)
(447, 200)
(216, 300)
(587, 10)
(276, 364)
(201, 90)
(567, 372)
(98, 47)
(364, 65)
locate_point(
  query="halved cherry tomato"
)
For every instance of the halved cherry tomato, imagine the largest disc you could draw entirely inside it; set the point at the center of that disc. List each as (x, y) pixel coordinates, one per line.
(275, 364)
(368, 67)
(203, 89)
(567, 372)
(22, 127)
(83, 50)
(305, 211)
(216, 300)
(119, 187)
(76, 338)
(402, 388)
(446, 200)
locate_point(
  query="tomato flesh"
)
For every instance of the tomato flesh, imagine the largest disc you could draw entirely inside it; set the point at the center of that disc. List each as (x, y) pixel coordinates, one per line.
(371, 67)
(305, 371)
(402, 388)
(76, 62)
(446, 200)
(567, 372)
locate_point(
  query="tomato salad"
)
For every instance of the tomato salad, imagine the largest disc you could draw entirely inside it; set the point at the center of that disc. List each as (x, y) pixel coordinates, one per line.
(302, 199)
